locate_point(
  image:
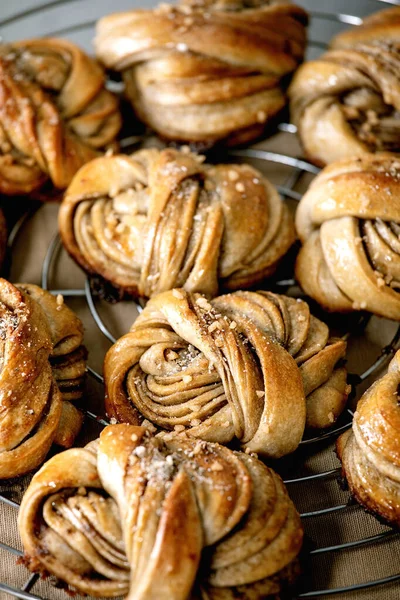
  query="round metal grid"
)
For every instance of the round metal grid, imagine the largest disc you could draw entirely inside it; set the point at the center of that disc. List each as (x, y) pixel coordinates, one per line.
(298, 168)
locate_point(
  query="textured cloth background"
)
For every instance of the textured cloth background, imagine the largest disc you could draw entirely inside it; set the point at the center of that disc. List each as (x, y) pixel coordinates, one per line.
(326, 570)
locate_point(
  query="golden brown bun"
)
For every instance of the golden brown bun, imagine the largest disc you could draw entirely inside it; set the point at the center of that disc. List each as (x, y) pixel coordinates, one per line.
(130, 515)
(202, 72)
(56, 114)
(161, 219)
(370, 451)
(349, 224)
(246, 365)
(346, 103)
(40, 347)
(382, 26)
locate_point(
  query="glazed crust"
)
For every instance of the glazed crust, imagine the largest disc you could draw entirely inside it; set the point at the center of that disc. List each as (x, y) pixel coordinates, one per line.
(370, 452)
(382, 26)
(162, 219)
(346, 103)
(35, 411)
(55, 114)
(348, 222)
(107, 520)
(255, 366)
(205, 71)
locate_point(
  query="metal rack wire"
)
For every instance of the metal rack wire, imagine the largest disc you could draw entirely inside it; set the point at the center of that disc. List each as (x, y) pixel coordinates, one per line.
(298, 168)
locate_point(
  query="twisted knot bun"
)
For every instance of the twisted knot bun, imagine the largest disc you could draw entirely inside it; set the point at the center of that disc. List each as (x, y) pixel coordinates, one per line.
(370, 451)
(202, 72)
(161, 219)
(349, 224)
(382, 26)
(346, 103)
(40, 347)
(131, 514)
(55, 114)
(244, 365)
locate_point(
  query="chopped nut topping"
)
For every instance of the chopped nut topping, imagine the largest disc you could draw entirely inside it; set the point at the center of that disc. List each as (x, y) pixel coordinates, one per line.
(186, 10)
(120, 228)
(195, 422)
(198, 447)
(187, 378)
(215, 325)
(178, 294)
(134, 437)
(372, 117)
(203, 303)
(149, 426)
(171, 355)
(240, 187)
(163, 7)
(380, 282)
(260, 393)
(261, 116)
(216, 466)
(114, 191)
(179, 428)
(233, 175)
(232, 325)
(140, 451)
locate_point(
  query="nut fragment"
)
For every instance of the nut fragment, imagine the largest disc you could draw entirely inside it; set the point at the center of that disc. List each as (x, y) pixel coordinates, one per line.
(233, 175)
(60, 301)
(216, 466)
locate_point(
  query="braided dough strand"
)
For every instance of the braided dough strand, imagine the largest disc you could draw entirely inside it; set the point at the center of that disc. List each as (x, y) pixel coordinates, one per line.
(55, 114)
(131, 514)
(227, 368)
(203, 72)
(346, 103)
(162, 219)
(348, 222)
(370, 452)
(35, 411)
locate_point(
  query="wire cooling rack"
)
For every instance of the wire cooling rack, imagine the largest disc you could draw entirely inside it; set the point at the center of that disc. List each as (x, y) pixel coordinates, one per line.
(295, 170)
